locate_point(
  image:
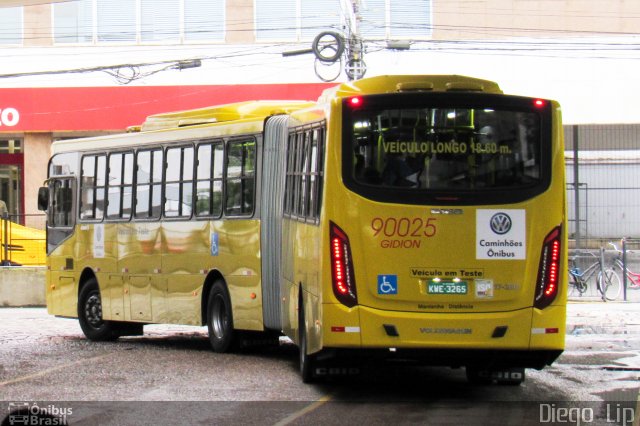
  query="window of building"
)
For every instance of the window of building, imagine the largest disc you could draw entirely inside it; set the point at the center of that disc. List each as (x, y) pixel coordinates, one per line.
(240, 178)
(160, 20)
(92, 187)
(303, 184)
(384, 19)
(319, 15)
(204, 20)
(116, 20)
(294, 20)
(209, 179)
(148, 184)
(10, 146)
(73, 21)
(178, 190)
(120, 186)
(10, 190)
(11, 25)
(138, 21)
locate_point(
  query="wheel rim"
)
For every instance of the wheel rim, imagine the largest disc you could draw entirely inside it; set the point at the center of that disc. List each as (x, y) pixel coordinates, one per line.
(612, 285)
(93, 311)
(219, 317)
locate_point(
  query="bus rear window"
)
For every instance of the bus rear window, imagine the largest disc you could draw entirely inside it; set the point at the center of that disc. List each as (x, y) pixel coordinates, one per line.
(453, 146)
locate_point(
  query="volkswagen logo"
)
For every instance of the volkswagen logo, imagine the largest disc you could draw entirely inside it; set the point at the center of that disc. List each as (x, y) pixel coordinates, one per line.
(500, 223)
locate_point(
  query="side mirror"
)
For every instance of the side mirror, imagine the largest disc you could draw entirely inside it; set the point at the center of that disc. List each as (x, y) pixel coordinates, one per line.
(43, 198)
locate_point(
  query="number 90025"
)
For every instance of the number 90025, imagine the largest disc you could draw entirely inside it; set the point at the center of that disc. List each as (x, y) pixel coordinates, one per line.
(416, 227)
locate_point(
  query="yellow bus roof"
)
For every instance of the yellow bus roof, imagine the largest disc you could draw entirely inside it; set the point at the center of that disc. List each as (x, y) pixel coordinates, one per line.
(263, 109)
(410, 83)
(220, 113)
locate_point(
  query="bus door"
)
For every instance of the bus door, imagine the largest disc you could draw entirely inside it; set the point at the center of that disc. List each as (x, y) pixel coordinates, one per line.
(60, 225)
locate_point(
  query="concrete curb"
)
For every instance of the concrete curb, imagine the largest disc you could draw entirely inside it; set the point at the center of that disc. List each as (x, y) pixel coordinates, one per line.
(22, 285)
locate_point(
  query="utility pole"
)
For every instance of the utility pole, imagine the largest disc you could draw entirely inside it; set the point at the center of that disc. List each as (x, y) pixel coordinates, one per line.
(355, 66)
(335, 51)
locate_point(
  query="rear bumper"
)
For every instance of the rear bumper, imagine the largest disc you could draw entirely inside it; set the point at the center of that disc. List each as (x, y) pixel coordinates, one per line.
(521, 338)
(484, 359)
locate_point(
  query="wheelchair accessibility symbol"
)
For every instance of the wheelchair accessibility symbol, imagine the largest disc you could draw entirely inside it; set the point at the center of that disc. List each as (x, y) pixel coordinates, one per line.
(387, 284)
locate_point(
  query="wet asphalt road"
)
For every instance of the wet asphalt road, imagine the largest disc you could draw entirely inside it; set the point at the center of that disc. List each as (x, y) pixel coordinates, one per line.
(170, 376)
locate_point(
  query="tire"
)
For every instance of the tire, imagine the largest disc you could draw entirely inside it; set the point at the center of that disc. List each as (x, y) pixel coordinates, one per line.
(504, 377)
(477, 376)
(307, 361)
(576, 285)
(609, 284)
(571, 286)
(90, 314)
(581, 285)
(220, 319)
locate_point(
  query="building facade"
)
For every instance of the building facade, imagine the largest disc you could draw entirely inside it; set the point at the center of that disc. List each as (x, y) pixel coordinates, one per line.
(86, 67)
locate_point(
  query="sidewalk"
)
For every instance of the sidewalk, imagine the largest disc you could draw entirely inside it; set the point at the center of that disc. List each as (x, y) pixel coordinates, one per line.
(597, 317)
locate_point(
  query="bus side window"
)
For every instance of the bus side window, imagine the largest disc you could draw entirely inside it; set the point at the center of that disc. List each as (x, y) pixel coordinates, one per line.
(178, 190)
(240, 178)
(92, 187)
(120, 184)
(304, 173)
(148, 184)
(289, 180)
(210, 160)
(61, 214)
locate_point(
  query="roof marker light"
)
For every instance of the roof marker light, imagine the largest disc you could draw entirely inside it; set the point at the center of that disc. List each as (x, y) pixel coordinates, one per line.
(355, 101)
(539, 103)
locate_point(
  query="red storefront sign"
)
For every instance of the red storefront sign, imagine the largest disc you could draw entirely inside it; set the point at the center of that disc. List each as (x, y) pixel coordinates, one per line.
(116, 108)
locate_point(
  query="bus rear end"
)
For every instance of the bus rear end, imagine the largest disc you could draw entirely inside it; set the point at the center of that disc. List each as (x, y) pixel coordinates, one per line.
(447, 230)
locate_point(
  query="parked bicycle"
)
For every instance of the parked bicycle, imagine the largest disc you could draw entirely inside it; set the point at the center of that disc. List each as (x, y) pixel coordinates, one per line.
(633, 278)
(607, 280)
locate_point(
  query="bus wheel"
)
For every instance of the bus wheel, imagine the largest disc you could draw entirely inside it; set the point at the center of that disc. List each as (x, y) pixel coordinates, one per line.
(220, 318)
(478, 376)
(506, 376)
(307, 362)
(90, 314)
(512, 377)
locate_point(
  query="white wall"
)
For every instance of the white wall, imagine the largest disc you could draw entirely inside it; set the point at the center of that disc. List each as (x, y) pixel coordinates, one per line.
(596, 85)
(609, 195)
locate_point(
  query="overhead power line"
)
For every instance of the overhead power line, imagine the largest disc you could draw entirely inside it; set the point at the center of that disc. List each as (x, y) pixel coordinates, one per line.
(123, 73)
(352, 41)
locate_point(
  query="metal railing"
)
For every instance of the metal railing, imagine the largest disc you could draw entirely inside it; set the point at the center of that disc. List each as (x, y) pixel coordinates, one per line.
(603, 183)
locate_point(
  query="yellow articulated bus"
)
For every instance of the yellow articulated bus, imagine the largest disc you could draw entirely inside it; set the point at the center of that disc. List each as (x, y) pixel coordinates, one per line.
(412, 217)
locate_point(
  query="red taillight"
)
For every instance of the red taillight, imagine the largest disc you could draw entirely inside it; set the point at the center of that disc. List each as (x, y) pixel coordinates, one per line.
(342, 275)
(549, 270)
(539, 103)
(355, 101)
